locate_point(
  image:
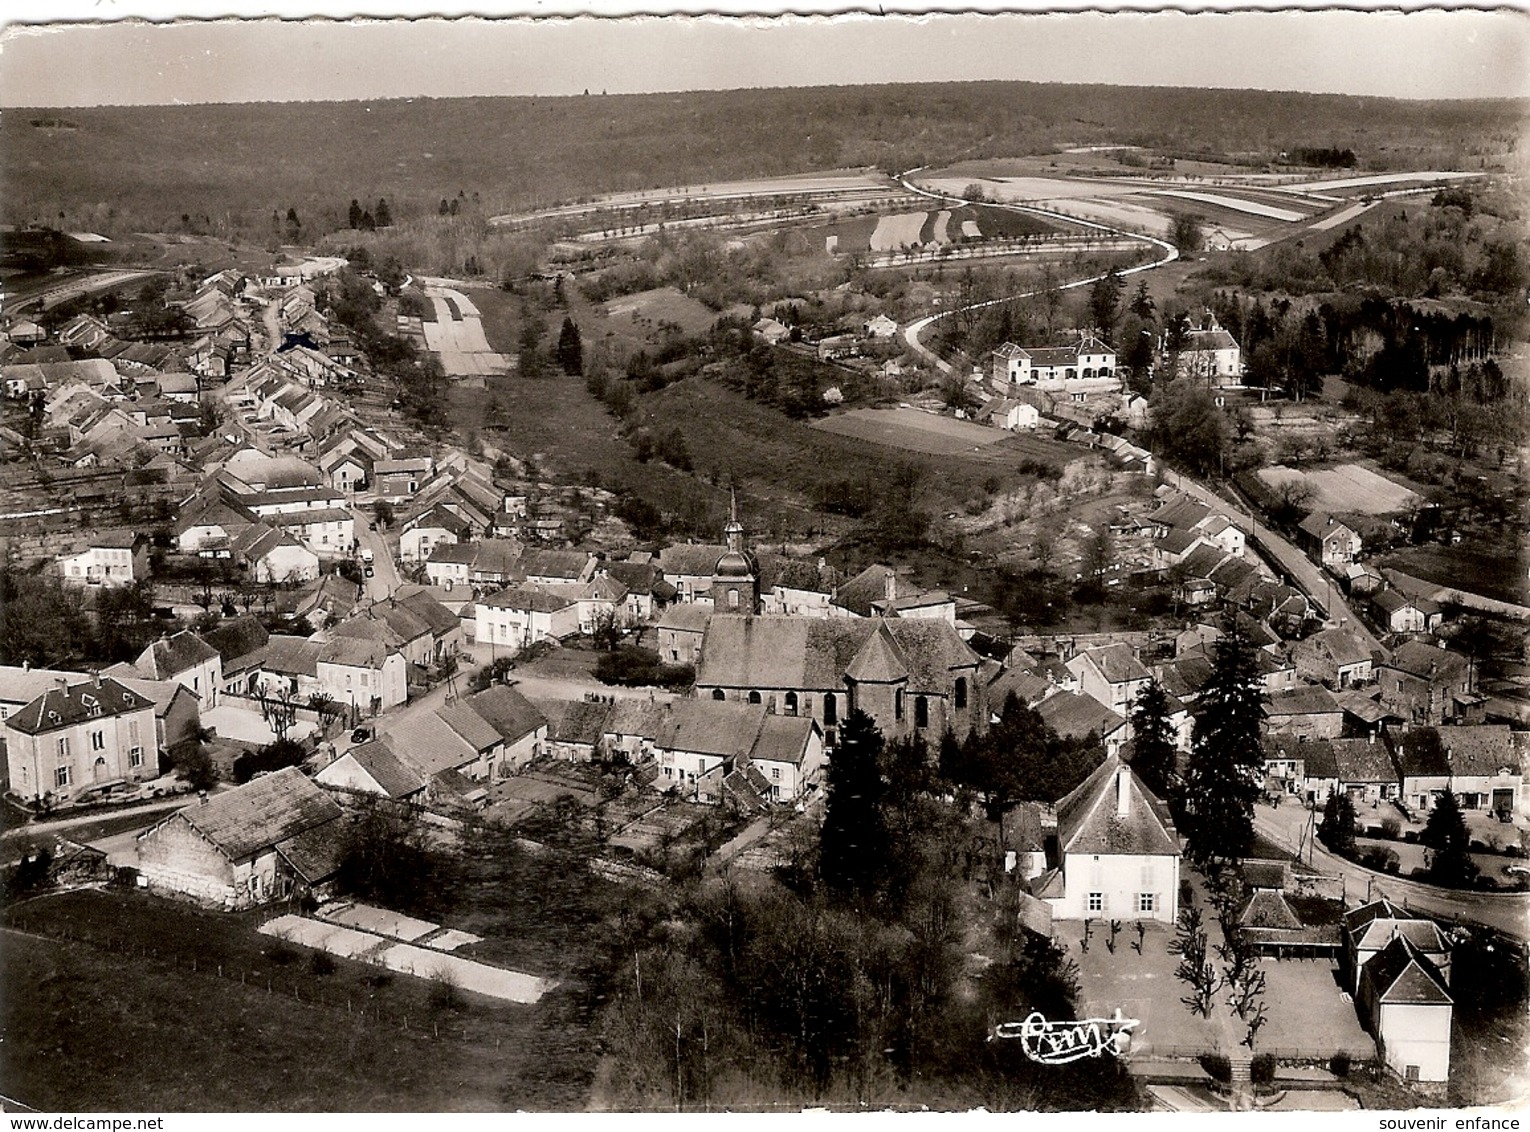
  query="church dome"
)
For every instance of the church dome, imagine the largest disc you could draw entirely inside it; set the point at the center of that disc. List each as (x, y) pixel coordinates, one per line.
(736, 564)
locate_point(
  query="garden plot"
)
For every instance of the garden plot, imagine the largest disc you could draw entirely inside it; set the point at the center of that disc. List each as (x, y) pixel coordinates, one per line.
(900, 230)
(970, 230)
(1237, 204)
(457, 335)
(409, 959)
(1345, 488)
(942, 223)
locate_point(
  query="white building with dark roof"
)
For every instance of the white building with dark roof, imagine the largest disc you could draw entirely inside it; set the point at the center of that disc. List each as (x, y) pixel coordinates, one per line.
(1117, 852)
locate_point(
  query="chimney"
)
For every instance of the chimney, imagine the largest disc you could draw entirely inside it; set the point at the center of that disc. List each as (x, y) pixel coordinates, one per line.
(62, 683)
(95, 678)
(201, 797)
(26, 666)
(892, 585)
(1123, 791)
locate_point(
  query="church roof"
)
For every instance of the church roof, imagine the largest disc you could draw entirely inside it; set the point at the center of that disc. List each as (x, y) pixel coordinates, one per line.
(880, 661)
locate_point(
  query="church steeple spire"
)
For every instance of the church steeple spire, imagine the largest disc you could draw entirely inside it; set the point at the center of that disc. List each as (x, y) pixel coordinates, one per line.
(734, 530)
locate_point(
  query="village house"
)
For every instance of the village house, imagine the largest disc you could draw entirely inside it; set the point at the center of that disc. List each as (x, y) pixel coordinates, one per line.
(1363, 769)
(270, 555)
(76, 737)
(522, 728)
(1335, 544)
(399, 476)
(373, 768)
(681, 630)
(1117, 855)
(1399, 966)
(1009, 413)
(575, 728)
(111, 558)
(365, 674)
(426, 531)
(1400, 613)
(1426, 684)
(1112, 675)
(1076, 716)
(706, 750)
(796, 587)
(186, 659)
(1483, 765)
(633, 728)
(519, 616)
(1336, 657)
(269, 839)
(1308, 711)
(1211, 353)
(689, 567)
(910, 676)
(453, 768)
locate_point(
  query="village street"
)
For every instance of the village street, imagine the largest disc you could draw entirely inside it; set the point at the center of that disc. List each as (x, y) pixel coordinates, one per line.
(1289, 560)
(1289, 827)
(384, 579)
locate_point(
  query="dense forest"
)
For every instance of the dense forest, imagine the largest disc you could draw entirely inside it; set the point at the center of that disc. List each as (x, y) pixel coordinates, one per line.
(232, 166)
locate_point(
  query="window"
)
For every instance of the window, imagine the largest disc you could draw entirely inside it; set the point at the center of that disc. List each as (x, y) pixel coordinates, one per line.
(98, 740)
(61, 776)
(961, 693)
(732, 599)
(63, 747)
(775, 773)
(830, 710)
(898, 704)
(790, 702)
(754, 697)
(363, 679)
(921, 711)
(1147, 901)
(135, 757)
(717, 694)
(1096, 902)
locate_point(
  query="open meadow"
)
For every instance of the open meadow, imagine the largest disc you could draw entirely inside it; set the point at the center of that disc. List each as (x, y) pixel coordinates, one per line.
(259, 1026)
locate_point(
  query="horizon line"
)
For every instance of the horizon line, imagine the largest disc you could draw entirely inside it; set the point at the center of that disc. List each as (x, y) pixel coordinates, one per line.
(186, 104)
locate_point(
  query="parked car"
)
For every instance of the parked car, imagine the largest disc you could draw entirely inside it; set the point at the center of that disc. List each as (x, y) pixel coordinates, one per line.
(361, 734)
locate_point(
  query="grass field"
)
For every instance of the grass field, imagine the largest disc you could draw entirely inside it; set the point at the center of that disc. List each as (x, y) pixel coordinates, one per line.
(91, 1031)
(912, 430)
(1345, 488)
(664, 304)
(1496, 571)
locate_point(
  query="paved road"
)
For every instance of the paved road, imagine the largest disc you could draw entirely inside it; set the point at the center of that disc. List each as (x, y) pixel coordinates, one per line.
(384, 579)
(1290, 561)
(1506, 912)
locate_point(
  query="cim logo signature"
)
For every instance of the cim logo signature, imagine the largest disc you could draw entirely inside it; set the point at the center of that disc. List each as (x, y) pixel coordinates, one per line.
(1057, 1043)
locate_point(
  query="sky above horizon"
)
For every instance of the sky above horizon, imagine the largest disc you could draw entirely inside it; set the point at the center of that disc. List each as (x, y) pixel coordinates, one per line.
(1420, 54)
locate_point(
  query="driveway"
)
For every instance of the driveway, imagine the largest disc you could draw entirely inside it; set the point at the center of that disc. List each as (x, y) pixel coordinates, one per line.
(1508, 912)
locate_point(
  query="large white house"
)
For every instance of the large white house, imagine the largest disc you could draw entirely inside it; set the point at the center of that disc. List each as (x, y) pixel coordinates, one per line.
(1118, 852)
(80, 736)
(1086, 360)
(112, 558)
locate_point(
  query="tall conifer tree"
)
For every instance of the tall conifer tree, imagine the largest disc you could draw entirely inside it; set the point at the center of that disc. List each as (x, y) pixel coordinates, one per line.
(1226, 769)
(1154, 753)
(853, 843)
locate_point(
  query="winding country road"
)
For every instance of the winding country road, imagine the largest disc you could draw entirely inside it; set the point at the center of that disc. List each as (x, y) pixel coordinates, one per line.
(912, 332)
(1288, 559)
